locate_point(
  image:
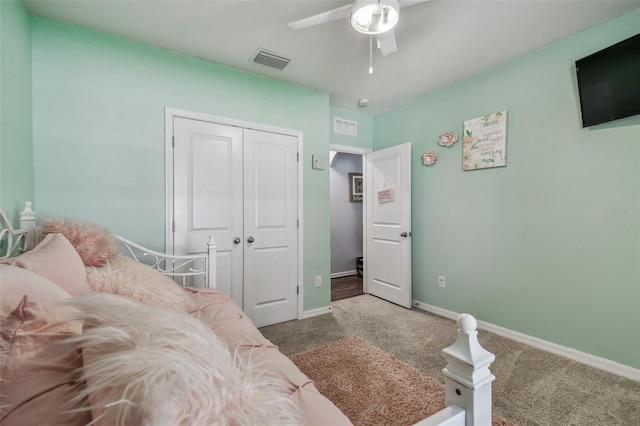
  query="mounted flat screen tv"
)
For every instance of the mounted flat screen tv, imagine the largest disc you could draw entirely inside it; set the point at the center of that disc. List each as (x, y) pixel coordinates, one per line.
(609, 82)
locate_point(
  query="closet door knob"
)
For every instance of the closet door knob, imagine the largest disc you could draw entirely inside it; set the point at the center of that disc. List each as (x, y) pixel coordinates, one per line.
(250, 240)
(236, 240)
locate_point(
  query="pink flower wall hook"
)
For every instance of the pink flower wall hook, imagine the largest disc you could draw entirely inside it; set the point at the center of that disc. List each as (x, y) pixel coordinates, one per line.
(447, 139)
(429, 158)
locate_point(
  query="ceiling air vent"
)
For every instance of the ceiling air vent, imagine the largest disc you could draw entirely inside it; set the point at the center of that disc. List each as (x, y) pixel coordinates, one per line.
(270, 59)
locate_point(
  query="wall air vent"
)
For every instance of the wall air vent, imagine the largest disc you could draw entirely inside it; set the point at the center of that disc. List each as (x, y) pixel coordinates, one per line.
(270, 59)
(345, 127)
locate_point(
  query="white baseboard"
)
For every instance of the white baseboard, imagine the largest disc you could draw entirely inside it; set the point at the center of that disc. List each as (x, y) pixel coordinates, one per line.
(344, 274)
(573, 354)
(316, 312)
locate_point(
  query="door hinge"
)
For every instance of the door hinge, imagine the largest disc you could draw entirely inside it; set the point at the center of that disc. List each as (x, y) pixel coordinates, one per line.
(298, 223)
(173, 141)
(298, 156)
(297, 289)
(173, 226)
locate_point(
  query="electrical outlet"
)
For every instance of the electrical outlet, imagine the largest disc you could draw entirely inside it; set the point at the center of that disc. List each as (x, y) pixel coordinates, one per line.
(318, 280)
(441, 281)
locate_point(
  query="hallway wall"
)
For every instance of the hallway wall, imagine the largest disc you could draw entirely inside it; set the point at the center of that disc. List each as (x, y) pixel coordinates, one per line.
(346, 217)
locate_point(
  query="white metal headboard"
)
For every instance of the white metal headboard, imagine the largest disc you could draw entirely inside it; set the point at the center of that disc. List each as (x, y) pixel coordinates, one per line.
(181, 268)
(16, 241)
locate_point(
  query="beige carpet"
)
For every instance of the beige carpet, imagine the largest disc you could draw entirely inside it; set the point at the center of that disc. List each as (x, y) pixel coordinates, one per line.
(372, 387)
(532, 387)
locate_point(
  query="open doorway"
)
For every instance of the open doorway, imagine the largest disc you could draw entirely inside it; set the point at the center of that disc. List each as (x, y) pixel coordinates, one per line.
(347, 211)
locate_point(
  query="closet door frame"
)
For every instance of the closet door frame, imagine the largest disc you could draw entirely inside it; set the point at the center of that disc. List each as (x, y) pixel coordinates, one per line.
(169, 115)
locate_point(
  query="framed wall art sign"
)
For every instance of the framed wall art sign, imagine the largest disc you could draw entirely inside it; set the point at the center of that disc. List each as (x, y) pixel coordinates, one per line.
(484, 142)
(355, 187)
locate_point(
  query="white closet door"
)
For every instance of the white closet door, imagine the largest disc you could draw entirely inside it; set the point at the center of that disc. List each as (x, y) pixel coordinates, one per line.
(241, 187)
(208, 197)
(270, 225)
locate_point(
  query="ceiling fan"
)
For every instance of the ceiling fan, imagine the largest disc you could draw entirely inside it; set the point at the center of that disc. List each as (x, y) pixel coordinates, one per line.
(372, 17)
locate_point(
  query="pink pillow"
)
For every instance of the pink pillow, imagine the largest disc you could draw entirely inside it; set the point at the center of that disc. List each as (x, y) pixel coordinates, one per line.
(94, 243)
(16, 282)
(55, 259)
(38, 369)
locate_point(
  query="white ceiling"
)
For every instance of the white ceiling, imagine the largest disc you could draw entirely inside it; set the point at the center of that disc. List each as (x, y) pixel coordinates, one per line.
(439, 42)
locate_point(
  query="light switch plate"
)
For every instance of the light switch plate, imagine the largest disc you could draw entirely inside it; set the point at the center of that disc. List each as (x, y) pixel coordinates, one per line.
(317, 162)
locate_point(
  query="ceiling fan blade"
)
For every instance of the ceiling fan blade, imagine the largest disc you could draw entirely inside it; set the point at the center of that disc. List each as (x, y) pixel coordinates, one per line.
(408, 3)
(388, 42)
(322, 18)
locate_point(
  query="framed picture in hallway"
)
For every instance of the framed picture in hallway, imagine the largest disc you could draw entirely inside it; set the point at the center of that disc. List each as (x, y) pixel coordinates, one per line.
(355, 187)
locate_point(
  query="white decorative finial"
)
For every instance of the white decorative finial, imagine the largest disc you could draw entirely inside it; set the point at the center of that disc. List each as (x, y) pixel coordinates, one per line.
(467, 323)
(211, 243)
(27, 213)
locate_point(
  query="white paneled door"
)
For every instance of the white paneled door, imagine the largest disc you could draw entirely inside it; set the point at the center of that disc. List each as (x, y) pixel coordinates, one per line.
(208, 197)
(240, 186)
(388, 224)
(270, 227)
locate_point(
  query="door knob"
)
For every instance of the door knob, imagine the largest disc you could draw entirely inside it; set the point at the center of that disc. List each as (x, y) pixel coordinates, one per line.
(405, 235)
(236, 240)
(250, 240)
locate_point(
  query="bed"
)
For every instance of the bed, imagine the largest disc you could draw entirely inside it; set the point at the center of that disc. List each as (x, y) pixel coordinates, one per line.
(97, 329)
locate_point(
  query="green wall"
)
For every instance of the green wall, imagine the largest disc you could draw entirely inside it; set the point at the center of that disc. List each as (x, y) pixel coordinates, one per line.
(16, 147)
(98, 128)
(548, 246)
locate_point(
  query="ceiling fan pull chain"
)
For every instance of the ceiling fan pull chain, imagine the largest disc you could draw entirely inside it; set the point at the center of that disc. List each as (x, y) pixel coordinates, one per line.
(370, 54)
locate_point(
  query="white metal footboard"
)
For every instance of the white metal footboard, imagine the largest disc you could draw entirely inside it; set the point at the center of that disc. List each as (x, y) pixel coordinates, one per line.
(181, 268)
(467, 380)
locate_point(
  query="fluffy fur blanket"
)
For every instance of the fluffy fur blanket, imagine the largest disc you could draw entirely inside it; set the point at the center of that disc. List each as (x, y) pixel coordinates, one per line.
(124, 276)
(150, 366)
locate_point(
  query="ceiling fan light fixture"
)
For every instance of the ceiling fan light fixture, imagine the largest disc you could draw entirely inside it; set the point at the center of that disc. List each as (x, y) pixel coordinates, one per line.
(374, 16)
